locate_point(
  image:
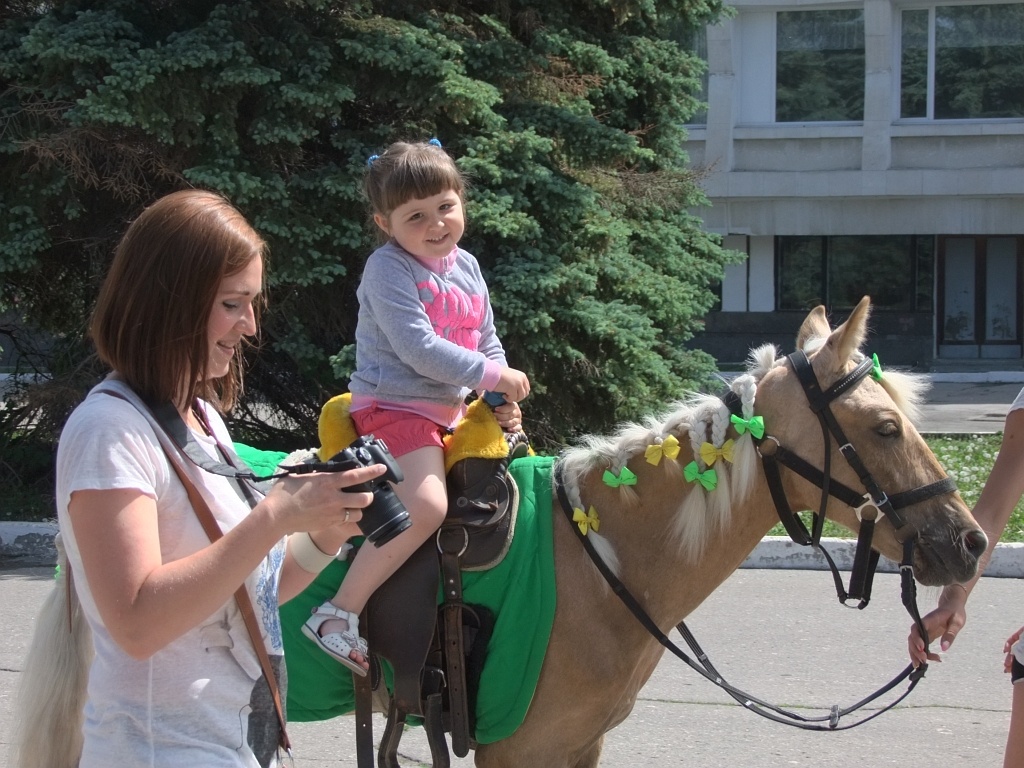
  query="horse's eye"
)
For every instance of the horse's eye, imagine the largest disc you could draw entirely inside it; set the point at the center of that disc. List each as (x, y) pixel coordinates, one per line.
(889, 429)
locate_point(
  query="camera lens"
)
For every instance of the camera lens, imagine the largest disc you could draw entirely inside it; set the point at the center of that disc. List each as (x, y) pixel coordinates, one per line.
(385, 518)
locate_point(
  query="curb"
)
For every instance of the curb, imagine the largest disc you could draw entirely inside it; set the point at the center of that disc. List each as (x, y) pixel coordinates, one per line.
(30, 545)
(27, 545)
(781, 552)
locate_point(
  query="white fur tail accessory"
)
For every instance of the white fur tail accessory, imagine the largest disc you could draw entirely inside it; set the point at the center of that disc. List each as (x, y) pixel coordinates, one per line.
(50, 696)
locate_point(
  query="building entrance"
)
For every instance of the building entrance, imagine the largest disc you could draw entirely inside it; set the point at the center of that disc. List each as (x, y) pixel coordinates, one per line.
(979, 294)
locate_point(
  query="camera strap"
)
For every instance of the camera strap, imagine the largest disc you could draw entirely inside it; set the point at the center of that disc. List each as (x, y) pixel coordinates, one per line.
(167, 416)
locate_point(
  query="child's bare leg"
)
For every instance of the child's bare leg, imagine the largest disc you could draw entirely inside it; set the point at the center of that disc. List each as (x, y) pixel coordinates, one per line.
(424, 495)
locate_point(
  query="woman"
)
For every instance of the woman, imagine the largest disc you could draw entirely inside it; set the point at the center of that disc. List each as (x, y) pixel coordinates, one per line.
(175, 679)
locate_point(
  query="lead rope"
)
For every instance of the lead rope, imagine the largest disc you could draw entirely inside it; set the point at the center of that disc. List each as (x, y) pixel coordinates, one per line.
(707, 670)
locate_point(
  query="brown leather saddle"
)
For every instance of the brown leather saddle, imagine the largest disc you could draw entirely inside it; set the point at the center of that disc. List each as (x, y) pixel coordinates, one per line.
(436, 651)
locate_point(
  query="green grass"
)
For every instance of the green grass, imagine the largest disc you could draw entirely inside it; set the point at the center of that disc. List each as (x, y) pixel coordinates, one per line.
(968, 459)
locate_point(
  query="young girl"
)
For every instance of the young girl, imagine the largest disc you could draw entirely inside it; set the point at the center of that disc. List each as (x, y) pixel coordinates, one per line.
(424, 338)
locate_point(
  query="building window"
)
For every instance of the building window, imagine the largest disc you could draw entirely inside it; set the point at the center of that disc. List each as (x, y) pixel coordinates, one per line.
(694, 40)
(819, 66)
(962, 61)
(895, 271)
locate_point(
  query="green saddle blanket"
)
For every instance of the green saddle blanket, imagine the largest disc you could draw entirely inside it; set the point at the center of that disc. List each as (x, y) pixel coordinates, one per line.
(520, 592)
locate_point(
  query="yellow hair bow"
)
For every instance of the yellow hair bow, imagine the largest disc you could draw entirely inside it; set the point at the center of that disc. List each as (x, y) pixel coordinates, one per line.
(586, 520)
(668, 447)
(708, 478)
(709, 454)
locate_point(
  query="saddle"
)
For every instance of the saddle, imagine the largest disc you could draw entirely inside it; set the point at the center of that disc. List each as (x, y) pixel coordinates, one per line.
(436, 651)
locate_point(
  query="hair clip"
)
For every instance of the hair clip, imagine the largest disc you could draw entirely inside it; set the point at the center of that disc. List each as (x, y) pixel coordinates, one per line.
(370, 160)
(435, 142)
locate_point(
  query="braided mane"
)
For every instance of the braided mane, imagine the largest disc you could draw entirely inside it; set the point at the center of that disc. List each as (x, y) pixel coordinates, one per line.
(693, 421)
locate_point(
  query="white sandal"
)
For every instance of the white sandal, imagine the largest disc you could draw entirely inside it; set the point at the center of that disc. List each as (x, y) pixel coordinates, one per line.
(338, 645)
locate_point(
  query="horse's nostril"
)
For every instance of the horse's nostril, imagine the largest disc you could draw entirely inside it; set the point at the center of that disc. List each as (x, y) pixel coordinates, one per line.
(975, 542)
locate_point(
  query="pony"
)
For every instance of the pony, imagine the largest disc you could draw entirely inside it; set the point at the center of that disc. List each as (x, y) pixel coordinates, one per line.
(672, 542)
(694, 503)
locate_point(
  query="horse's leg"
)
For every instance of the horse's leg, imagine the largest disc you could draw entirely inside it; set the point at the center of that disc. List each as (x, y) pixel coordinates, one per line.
(502, 754)
(590, 756)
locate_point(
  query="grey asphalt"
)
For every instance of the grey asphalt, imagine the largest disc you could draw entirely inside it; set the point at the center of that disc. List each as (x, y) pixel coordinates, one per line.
(780, 635)
(777, 632)
(956, 404)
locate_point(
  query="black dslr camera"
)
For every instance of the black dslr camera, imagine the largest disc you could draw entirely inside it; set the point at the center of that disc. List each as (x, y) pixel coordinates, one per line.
(386, 517)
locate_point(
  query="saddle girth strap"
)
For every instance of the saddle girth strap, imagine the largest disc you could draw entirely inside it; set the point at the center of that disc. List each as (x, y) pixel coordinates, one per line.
(451, 543)
(364, 719)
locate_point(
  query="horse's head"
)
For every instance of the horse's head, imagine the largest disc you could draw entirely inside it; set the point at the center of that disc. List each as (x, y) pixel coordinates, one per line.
(874, 413)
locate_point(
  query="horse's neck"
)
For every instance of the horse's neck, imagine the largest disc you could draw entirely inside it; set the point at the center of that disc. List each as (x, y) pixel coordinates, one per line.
(672, 584)
(594, 632)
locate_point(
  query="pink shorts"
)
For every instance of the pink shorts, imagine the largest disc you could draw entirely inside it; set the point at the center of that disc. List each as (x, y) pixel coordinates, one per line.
(401, 431)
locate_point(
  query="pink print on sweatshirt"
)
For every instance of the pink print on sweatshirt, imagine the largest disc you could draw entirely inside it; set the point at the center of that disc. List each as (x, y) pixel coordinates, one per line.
(454, 314)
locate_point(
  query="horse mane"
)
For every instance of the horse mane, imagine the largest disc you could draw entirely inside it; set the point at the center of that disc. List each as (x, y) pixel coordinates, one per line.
(693, 420)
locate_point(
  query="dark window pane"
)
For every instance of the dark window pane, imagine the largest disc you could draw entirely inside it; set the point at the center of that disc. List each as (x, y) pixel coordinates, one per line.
(694, 40)
(801, 273)
(1001, 289)
(881, 267)
(819, 66)
(924, 252)
(914, 65)
(979, 61)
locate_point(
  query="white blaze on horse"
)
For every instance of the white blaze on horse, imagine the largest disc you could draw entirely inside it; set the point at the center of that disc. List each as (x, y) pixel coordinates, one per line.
(672, 542)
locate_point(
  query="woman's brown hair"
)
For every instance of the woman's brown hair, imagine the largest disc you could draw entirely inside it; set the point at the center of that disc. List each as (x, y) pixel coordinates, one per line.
(150, 320)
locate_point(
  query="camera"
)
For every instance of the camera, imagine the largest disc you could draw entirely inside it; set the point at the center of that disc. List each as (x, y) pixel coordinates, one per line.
(386, 517)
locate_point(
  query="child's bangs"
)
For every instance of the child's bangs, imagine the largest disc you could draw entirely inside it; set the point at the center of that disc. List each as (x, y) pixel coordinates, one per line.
(422, 177)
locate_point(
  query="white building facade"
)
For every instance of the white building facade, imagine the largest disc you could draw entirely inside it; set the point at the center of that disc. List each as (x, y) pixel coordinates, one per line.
(874, 147)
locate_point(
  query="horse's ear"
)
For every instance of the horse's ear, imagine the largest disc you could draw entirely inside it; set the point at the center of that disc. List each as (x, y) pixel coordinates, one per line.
(814, 326)
(847, 338)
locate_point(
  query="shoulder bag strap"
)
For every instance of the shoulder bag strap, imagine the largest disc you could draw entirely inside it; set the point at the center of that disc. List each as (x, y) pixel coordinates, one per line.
(213, 531)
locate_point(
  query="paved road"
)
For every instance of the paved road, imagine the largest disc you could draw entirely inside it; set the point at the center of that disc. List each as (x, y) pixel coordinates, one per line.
(967, 407)
(781, 635)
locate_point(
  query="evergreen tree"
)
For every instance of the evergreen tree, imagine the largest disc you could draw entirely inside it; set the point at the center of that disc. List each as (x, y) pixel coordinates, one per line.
(567, 117)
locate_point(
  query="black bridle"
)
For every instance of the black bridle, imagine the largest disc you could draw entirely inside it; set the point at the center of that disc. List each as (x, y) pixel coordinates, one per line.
(868, 506)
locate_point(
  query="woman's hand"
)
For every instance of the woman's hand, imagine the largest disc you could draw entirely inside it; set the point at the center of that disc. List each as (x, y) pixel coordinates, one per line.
(146, 603)
(943, 624)
(320, 501)
(1008, 650)
(321, 505)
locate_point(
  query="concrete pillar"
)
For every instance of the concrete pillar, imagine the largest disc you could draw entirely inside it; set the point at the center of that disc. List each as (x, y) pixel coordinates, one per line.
(879, 20)
(721, 89)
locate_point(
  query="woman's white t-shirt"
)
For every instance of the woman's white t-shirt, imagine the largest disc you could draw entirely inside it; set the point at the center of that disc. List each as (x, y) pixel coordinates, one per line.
(1018, 401)
(192, 702)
